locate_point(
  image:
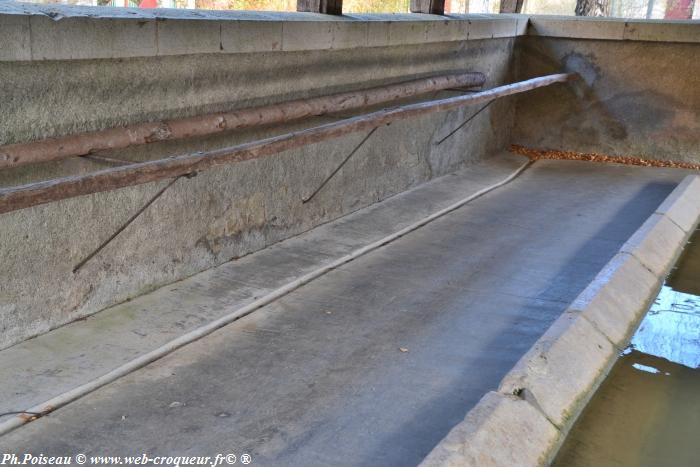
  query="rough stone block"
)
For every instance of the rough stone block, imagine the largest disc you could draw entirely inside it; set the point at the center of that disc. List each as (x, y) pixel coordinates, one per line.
(682, 206)
(448, 30)
(677, 31)
(656, 243)
(480, 28)
(251, 36)
(182, 37)
(562, 369)
(488, 28)
(407, 32)
(14, 37)
(499, 431)
(581, 28)
(307, 35)
(377, 33)
(618, 297)
(521, 25)
(504, 27)
(349, 34)
(84, 38)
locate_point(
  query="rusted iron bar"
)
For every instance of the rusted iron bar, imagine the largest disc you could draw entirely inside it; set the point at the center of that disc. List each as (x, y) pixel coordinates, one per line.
(81, 144)
(33, 194)
(340, 166)
(461, 125)
(126, 224)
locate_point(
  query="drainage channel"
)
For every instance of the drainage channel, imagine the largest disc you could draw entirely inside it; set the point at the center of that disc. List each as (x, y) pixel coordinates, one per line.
(647, 411)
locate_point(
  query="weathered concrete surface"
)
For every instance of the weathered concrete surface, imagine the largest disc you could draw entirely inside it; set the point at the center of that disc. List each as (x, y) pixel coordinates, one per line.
(682, 206)
(220, 214)
(39, 369)
(319, 378)
(636, 98)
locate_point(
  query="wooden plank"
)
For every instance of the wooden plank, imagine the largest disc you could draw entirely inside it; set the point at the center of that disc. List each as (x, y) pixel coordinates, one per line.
(33, 194)
(81, 144)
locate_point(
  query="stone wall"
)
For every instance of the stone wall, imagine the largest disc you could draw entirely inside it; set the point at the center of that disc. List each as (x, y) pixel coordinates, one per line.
(67, 69)
(77, 73)
(639, 94)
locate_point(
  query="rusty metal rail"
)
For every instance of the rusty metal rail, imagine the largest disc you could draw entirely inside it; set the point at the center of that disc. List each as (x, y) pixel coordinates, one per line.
(81, 144)
(33, 194)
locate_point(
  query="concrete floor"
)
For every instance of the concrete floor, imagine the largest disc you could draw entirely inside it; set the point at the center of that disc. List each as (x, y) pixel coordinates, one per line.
(374, 362)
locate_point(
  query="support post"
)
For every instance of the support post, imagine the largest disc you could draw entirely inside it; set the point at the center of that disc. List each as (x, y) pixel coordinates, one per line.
(328, 7)
(511, 6)
(431, 7)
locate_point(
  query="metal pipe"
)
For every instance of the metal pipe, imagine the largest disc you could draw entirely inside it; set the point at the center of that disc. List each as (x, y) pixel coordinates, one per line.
(33, 194)
(80, 144)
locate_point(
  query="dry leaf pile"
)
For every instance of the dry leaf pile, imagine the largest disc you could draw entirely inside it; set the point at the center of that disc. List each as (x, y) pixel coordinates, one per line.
(536, 154)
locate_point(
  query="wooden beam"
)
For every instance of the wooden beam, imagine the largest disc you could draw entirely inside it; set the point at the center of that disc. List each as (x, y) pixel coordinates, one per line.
(511, 6)
(33, 194)
(431, 7)
(328, 7)
(81, 144)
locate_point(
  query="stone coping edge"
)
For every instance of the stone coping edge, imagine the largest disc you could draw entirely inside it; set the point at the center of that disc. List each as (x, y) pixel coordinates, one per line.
(617, 29)
(34, 32)
(526, 420)
(42, 32)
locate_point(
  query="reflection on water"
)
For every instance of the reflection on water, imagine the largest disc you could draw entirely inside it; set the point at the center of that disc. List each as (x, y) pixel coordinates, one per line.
(671, 329)
(647, 412)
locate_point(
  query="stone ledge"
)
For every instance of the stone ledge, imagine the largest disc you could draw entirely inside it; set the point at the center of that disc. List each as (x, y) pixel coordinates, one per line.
(683, 205)
(564, 367)
(618, 297)
(58, 32)
(662, 31)
(656, 244)
(573, 27)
